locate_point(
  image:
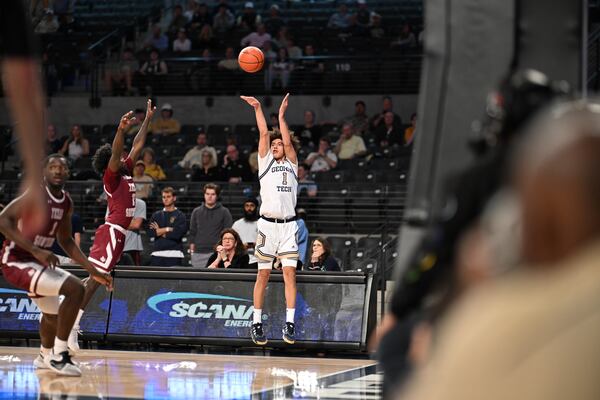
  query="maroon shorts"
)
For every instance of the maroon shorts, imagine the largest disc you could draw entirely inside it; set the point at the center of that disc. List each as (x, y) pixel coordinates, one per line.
(108, 247)
(38, 280)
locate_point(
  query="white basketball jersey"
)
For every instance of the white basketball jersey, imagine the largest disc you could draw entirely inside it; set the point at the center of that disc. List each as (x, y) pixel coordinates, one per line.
(278, 186)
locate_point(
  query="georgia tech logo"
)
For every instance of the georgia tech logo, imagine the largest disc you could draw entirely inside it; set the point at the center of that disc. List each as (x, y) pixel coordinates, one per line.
(235, 315)
(24, 306)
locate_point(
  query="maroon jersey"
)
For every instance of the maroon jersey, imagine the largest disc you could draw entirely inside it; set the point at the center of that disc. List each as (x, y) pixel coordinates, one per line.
(58, 209)
(120, 190)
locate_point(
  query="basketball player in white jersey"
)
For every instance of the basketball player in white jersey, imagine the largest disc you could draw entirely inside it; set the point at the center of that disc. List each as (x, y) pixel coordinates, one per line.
(277, 228)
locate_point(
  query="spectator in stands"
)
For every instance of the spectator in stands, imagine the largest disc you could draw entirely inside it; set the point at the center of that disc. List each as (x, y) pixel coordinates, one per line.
(349, 145)
(223, 21)
(119, 75)
(199, 17)
(248, 20)
(193, 158)
(76, 146)
(362, 18)
(409, 132)
(234, 168)
(323, 159)
(76, 231)
(152, 168)
(273, 121)
(178, 20)
(308, 72)
(253, 160)
(279, 70)
(388, 134)
(153, 73)
(48, 24)
(310, 132)
(53, 142)
(182, 44)
(274, 22)
(168, 226)
(306, 186)
(406, 40)
(302, 236)
(133, 241)
(223, 3)
(158, 40)
(229, 72)
(247, 228)
(294, 52)
(281, 40)
(207, 171)
(342, 19)
(190, 9)
(206, 224)
(229, 252)
(376, 29)
(321, 257)
(165, 124)
(359, 120)
(257, 38)
(269, 53)
(205, 39)
(230, 63)
(377, 119)
(143, 182)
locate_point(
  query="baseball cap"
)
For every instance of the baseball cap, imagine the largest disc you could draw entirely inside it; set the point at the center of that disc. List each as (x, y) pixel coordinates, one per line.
(275, 6)
(167, 106)
(249, 4)
(140, 162)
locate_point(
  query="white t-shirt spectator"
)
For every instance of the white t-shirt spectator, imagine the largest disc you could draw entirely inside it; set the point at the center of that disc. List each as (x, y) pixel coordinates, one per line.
(182, 45)
(248, 232)
(319, 164)
(256, 39)
(133, 240)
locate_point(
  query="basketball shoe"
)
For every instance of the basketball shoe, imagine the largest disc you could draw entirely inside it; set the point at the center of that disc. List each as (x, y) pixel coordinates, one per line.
(62, 365)
(289, 333)
(257, 334)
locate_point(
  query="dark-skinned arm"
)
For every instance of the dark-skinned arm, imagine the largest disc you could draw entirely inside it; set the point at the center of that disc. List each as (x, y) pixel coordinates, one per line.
(118, 143)
(140, 139)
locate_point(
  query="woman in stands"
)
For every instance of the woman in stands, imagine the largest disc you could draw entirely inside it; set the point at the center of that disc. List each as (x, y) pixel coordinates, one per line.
(229, 252)
(321, 258)
(208, 172)
(152, 168)
(76, 146)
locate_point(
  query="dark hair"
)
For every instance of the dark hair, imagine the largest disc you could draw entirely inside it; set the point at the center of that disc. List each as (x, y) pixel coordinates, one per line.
(360, 102)
(326, 140)
(273, 135)
(149, 150)
(239, 245)
(212, 186)
(326, 248)
(169, 189)
(55, 155)
(101, 158)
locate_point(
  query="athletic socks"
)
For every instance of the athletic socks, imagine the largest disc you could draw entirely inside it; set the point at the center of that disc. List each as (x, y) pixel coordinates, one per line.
(289, 314)
(59, 346)
(44, 351)
(79, 315)
(257, 316)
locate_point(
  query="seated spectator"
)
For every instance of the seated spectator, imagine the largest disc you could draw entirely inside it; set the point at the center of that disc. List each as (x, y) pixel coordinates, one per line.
(202, 74)
(143, 182)
(165, 124)
(207, 171)
(178, 20)
(273, 121)
(230, 62)
(182, 44)
(53, 142)
(152, 169)
(279, 71)
(409, 133)
(323, 159)
(168, 226)
(223, 3)
(157, 40)
(229, 252)
(234, 169)
(377, 119)
(134, 128)
(274, 22)
(406, 40)
(294, 52)
(76, 146)
(193, 157)
(199, 17)
(342, 19)
(223, 21)
(349, 145)
(257, 38)
(247, 229)
(48, 24)
(308, 71)
(389, 134)
(281, 39)
(309, 133)
(376, 29)
(362, 18)
(119, 75)
(133, 241)
(249, 19)
(268, 52)
(359, 120)
(306, 186)
(321, 257)
(205, 39)
(152, 73)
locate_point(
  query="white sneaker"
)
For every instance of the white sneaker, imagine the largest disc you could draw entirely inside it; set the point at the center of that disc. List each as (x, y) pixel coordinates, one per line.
(62, 365)
(40, 362)
(72, 341)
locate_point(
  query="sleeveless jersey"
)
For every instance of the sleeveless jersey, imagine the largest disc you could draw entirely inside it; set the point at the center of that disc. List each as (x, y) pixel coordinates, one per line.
(120, 190)
(57, 210)
(278, 186)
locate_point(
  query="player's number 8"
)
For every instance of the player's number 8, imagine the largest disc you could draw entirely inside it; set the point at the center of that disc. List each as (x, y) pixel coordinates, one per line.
(284, 182)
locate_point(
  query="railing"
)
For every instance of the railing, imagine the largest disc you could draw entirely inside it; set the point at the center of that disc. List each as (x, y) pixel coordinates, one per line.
(593, 59)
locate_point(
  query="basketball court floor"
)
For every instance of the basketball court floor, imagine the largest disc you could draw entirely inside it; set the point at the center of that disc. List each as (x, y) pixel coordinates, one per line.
(111, 374)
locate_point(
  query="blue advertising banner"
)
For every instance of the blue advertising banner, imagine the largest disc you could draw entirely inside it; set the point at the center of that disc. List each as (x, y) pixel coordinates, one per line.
(204, 308)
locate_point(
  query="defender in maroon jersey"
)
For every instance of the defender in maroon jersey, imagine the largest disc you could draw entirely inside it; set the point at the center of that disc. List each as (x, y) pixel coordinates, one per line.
(27, 263)
(108, 161)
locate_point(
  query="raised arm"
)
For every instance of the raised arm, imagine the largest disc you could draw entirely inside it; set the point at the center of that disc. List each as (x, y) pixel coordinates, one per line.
(119, 141)
(261, 122)
(288, 146)
(140, 139)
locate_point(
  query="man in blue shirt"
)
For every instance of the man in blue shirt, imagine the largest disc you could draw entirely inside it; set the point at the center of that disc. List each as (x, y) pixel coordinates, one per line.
(168, 227)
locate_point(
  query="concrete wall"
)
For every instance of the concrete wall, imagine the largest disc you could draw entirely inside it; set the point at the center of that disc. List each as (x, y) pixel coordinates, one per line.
(65, 111)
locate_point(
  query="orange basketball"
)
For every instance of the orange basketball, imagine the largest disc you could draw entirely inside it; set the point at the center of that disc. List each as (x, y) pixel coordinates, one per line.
(251, 59)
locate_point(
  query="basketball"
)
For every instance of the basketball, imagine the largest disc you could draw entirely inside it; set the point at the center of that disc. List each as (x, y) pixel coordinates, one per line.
(251, 59)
